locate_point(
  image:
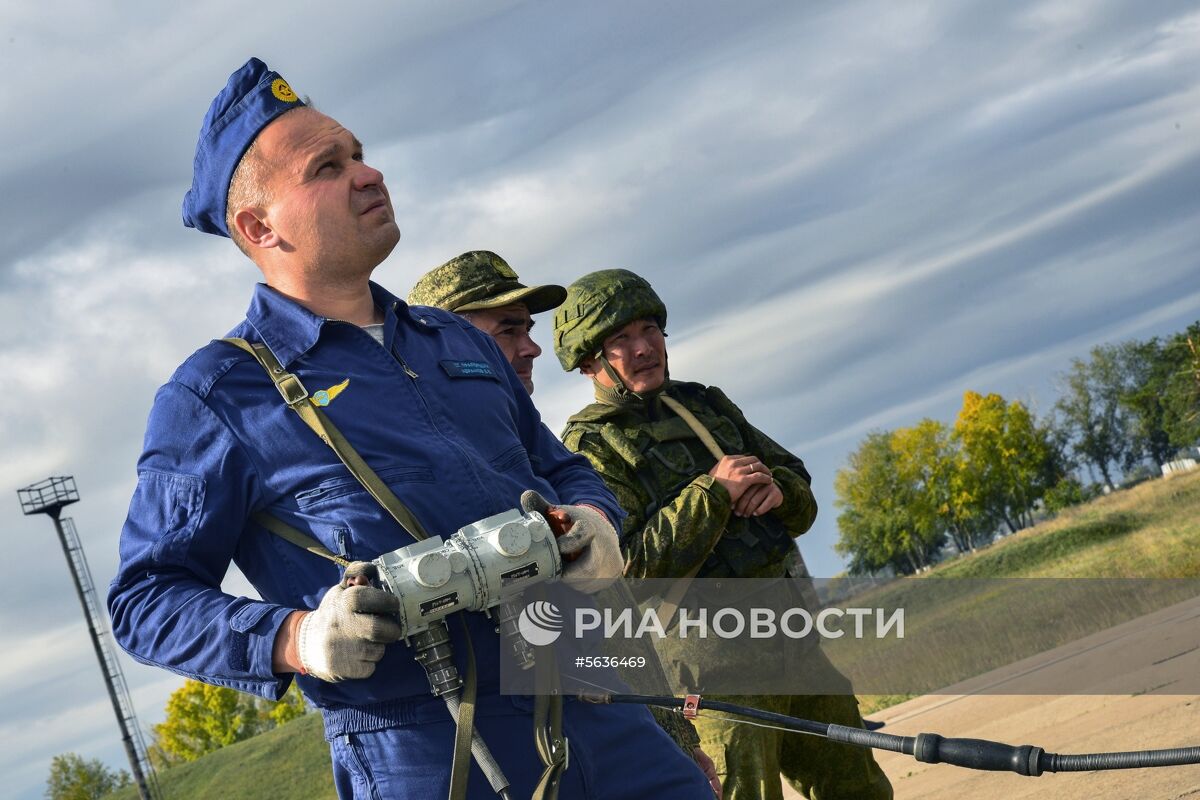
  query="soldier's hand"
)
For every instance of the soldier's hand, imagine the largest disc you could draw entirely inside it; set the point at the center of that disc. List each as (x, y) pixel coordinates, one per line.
(739, 473)
(345, 637)
(709, 769)
(758, 499)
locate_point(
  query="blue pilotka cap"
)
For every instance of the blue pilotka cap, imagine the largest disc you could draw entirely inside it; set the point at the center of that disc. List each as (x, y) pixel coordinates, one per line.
(253, 97)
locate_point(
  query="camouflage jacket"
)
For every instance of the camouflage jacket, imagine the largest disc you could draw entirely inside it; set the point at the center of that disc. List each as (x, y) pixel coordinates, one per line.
(679, 515)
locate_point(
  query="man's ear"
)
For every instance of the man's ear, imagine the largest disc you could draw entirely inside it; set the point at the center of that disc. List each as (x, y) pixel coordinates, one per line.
(589, 366)
(251, 224)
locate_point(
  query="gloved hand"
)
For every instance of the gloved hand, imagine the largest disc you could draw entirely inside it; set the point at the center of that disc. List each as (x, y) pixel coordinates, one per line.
(344, 637)
(591, 536)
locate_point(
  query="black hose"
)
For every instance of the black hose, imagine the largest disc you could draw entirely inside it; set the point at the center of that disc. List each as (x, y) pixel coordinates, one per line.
(881, 741)
(1174, 757)
(930, 748)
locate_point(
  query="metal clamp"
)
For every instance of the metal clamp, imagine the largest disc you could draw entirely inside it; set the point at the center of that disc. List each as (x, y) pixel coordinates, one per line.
(691, 706)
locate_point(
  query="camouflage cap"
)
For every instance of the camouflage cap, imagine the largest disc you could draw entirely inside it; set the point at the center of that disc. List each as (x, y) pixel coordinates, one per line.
(479, 280)
(598, 304)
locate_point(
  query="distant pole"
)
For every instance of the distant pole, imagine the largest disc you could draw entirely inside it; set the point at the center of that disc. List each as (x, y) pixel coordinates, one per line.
(49, 497)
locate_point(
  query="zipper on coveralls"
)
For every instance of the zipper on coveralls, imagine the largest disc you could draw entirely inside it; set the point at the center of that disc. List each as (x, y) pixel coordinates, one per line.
(404, 364)
(395, 353)
(464, 456)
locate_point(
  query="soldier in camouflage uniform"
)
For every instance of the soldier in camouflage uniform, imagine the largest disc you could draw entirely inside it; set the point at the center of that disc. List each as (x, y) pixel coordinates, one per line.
(691, 515)
(482, 287)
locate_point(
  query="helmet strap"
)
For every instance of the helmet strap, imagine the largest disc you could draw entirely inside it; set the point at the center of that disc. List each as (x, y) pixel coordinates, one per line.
(619, 391)
(612, 373)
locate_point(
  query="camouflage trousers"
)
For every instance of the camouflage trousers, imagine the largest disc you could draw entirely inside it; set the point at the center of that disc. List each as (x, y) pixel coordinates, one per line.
(753, 761)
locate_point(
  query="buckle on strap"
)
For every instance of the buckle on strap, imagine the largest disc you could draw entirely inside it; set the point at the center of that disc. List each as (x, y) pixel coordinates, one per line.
(291, 388)
(560, 752)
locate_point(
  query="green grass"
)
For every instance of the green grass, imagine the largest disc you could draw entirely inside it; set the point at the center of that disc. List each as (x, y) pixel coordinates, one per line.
(1149, 531)
(291, 761)
(868, 704)
(1031, 554)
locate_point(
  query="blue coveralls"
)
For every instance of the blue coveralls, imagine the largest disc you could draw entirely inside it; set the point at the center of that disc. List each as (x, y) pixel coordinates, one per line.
(439, 414)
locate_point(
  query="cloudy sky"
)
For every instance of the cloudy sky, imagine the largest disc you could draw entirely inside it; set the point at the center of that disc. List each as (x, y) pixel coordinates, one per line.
(854, 211)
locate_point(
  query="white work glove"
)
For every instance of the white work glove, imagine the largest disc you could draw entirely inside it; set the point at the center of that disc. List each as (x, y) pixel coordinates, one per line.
(344, 637)
(590, 535)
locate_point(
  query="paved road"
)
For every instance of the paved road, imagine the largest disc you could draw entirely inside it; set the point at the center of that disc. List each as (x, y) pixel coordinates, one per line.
(1154, 650)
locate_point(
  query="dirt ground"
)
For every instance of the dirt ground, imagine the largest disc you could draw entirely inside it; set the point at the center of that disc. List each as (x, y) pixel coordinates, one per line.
(1154, 651)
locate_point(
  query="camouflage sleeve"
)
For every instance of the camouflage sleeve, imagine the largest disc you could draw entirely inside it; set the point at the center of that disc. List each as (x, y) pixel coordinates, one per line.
(668, 542)
(799, 508)
(679, 729)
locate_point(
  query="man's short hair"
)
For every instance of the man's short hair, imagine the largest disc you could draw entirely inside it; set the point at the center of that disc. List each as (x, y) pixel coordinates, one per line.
(246, 189)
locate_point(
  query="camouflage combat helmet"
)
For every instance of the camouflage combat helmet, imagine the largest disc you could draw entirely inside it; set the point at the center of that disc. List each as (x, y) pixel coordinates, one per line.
(480, 280)
(598, 304)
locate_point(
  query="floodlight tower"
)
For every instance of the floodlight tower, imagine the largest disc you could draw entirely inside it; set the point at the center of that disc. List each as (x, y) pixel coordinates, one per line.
(49, 497)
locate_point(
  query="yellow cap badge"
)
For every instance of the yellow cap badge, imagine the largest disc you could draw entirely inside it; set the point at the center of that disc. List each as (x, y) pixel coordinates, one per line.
(323, 397)
(281, 90)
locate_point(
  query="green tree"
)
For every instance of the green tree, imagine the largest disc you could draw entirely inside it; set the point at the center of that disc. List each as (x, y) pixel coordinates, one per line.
(1006, 464)
(882, 521)
(202, 718)
(72, 778)
(1032, 461)
(977, 485)
(927, 458)
(1060, 462)
(1092, 410)
(931, 457)
(1147, 368)
(1134, 401)
(1181, 387)
(1067, 492)
(287, 709)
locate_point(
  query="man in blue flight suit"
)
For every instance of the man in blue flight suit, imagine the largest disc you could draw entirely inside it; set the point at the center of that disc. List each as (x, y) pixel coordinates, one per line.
(431, 405)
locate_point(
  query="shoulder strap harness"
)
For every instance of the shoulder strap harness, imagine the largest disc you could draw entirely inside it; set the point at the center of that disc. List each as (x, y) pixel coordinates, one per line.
(550, 743)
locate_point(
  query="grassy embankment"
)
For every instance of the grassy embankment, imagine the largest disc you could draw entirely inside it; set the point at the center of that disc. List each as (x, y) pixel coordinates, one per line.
(291, 761)
(1150, 531)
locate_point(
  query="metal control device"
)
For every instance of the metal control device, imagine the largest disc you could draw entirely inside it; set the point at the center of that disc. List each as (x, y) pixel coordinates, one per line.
(485, 566)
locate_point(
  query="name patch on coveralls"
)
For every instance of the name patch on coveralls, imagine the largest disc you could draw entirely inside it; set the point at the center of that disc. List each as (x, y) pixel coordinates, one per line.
(469, 369)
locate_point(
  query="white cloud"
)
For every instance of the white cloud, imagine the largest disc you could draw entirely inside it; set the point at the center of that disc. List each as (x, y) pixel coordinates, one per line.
(854, 212)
